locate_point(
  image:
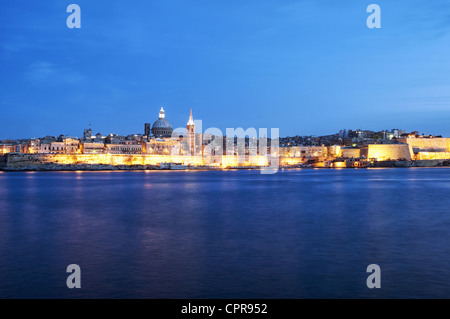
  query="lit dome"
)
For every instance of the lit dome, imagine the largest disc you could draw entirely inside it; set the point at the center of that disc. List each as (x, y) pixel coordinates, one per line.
(162, 127)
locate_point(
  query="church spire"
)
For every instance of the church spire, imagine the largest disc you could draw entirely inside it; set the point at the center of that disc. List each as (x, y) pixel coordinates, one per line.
(191, 134)
(191, 119)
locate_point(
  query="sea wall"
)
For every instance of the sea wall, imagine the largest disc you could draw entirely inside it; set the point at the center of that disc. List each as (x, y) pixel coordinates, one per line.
(350, 152)
(384, 152)
(428, 144)
(291, 160)
(18, 160)
(432, 156)
(2, 161)
(37, 161)
(431, 163)
(304, 151)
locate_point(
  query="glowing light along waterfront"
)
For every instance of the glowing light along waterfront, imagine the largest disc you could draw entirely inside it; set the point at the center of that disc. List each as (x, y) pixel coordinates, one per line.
(161, 146)
(431, 152)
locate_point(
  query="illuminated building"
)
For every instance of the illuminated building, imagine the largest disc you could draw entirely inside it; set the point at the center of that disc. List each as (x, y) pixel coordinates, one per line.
(160, 146)
(128, 147)
(88, 132)
(161, 127)
(191, 134)
(92, 148)
(386, 152)
(5, 149)
(57, 148)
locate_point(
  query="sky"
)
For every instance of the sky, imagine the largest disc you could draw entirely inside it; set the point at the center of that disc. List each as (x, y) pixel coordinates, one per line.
(307, 67)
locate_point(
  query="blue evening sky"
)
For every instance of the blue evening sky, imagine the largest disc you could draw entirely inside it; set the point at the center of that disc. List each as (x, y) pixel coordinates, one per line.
(305, 67)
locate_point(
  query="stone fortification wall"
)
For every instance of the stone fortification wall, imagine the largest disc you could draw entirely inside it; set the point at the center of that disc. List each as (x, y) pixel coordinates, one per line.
(384, 152)
(350, 152)
(42, 160)
(428, 144)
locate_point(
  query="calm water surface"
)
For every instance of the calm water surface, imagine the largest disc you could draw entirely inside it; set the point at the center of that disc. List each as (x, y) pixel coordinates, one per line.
(307, 233)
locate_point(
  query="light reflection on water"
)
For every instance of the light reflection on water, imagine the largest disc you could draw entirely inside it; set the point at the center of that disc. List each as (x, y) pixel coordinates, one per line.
(235, 234)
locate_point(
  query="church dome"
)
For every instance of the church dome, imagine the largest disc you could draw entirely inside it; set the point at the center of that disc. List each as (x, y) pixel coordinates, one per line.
(162, 127)
(162, 124)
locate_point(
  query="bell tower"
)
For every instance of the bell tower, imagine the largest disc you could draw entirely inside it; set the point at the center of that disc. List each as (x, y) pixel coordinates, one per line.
(191, 134)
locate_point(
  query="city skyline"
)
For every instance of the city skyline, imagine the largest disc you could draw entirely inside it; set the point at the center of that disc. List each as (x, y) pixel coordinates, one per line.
(141, 131)
(180, 128)
(302, 67)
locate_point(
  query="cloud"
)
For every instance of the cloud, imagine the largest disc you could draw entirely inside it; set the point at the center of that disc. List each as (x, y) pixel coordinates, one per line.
(431, 18)
(13, 47)
(42, 72)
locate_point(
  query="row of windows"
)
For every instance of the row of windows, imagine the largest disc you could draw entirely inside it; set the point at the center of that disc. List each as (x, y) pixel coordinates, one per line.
(54, 148)
(57, 148)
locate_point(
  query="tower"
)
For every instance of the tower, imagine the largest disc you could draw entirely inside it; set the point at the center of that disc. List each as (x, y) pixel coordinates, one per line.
(191, 134)
(147, 129)
(88, 132)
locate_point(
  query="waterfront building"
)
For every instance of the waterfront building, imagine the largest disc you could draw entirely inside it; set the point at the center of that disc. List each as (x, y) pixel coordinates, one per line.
(7, 148)
(64, 145)
(161, 146)
(304, 151)
(57, 148)
(92, 148)
(334, 150)
(30, 146)
(44, 148)
(127, 147)
(71, 145)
